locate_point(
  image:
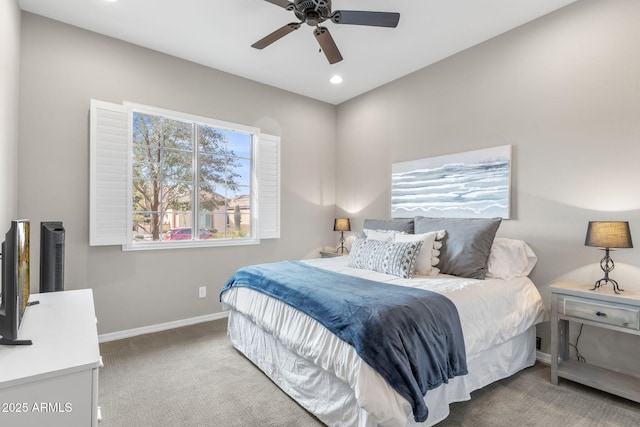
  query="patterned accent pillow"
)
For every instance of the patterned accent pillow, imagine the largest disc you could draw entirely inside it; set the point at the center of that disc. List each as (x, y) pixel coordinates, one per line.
(429, 256)
(397, 259)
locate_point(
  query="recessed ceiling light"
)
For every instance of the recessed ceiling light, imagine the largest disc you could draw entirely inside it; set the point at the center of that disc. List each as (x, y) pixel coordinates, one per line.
(336, 80)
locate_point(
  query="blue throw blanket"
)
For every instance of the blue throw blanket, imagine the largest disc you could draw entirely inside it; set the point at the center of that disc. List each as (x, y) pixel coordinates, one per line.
(411, 337)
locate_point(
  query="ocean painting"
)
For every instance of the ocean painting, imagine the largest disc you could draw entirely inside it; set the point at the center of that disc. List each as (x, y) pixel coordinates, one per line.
(474, 184)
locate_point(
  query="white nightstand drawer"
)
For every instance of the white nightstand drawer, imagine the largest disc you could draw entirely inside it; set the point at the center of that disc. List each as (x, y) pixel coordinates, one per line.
(602, 313)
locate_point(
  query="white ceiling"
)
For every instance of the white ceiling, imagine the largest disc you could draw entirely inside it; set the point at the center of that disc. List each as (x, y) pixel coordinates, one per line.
(219, 34)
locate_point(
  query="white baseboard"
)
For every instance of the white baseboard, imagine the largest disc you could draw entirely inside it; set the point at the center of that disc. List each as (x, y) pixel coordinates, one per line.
(112, 336)
(543, 357)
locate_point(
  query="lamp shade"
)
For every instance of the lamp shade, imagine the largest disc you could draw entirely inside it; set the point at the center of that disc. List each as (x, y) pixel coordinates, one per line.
(341, 224)
(608, 234)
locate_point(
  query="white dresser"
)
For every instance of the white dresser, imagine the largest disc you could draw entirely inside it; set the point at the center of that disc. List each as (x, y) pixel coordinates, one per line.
(53, 382)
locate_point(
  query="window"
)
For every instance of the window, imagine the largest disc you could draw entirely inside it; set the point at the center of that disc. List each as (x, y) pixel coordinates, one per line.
(189, 176)
(176, 174)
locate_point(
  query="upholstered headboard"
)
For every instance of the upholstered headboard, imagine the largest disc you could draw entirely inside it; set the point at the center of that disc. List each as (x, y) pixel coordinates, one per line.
(398, 224)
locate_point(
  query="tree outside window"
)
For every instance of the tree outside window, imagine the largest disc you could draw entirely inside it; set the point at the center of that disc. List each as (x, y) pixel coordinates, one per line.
(189, 176)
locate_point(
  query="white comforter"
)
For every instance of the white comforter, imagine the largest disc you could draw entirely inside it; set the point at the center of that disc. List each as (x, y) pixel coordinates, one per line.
(491, 312)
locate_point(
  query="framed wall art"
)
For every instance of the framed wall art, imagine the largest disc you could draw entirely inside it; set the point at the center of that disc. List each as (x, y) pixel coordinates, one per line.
(473, 184)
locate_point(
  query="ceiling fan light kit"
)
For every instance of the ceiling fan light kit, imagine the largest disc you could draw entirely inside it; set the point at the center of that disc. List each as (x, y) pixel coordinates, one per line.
(315, 12)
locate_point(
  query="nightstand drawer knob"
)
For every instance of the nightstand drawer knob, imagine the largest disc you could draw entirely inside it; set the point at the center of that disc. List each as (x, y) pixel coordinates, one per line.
(601, 314)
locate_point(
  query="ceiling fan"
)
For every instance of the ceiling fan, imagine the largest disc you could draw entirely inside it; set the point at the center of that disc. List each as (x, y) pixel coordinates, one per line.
(315, 12)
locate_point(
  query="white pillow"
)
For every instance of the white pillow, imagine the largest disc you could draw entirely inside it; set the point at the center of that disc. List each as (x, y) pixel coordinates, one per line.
(428, 256)
(510, 258)
(382, 235)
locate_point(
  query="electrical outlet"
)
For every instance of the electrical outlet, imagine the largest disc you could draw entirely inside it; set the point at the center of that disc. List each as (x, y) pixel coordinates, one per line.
(538, 343)
(202, 292)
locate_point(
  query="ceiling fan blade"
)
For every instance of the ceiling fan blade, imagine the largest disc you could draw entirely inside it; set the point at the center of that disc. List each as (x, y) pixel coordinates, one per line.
(327, 44)
(358, 17)
(286, 4)
(276, 35)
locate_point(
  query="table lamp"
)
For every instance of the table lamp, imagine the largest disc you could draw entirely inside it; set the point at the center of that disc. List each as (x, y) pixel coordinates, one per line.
(608, 235)
(341, 225)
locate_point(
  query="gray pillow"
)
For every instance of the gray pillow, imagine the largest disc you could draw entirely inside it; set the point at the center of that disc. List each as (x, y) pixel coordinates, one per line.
(466, 247)
(399, 224)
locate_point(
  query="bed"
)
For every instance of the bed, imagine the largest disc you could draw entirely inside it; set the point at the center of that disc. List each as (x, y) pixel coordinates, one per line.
(497, 304)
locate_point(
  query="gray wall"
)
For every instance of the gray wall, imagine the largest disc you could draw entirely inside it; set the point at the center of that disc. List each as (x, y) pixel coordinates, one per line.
(565, 92)
(62, 68)
(9, 83)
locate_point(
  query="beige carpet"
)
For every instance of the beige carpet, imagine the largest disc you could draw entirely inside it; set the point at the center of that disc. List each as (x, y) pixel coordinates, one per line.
(192, 376)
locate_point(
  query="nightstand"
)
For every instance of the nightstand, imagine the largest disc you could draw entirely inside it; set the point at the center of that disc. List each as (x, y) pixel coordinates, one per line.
(332, 254)
(600, 308)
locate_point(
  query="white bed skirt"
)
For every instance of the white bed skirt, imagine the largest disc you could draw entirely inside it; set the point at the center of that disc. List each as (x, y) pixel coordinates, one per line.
(333, 401)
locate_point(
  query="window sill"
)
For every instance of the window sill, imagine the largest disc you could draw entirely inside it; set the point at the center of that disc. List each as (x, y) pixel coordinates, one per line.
(184, 244)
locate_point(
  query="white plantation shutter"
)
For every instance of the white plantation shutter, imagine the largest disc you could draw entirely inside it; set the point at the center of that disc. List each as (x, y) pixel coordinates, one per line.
(268, 186)
(109, 173)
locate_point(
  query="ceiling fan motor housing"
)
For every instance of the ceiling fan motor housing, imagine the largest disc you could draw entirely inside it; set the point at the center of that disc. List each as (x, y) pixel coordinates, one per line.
(313, 12)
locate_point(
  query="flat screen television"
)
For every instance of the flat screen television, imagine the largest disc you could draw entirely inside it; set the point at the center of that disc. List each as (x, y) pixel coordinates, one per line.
(14, 293)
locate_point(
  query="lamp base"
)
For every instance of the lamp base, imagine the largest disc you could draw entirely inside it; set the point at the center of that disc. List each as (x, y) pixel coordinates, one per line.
(341, 248)
(606, 280)
(607, 265)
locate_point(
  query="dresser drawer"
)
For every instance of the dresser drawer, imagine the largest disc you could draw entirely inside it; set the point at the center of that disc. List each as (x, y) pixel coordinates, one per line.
(603, 313)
